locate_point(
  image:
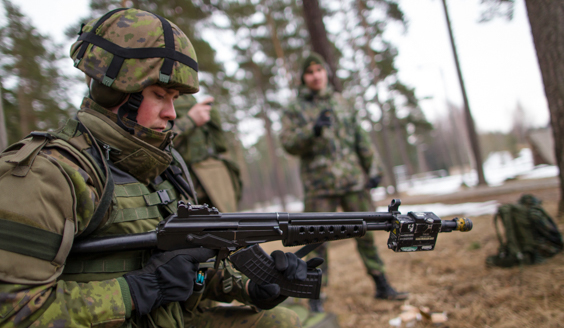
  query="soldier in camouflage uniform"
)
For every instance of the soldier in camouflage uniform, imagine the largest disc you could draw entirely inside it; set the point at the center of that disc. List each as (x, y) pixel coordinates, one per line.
(111, 171)
(202, 144)
(338, 165)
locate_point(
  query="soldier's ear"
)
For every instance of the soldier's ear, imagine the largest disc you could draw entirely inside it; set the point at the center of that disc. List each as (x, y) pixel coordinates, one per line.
(104, 95)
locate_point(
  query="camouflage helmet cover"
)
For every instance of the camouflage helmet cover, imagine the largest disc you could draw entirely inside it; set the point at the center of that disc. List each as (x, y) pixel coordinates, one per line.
(131, 49)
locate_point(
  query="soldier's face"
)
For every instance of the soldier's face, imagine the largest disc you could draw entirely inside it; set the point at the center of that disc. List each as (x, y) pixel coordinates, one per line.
(157, 107)
(315, 77)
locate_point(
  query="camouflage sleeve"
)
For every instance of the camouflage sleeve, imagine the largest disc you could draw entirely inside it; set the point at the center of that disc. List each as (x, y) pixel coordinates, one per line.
(217, 289)
(368, 157)
(184, 126)
(63, 304)
(62, 199)
(297, 134)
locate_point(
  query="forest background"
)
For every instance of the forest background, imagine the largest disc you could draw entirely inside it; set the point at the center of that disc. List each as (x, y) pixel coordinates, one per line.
(268, 40)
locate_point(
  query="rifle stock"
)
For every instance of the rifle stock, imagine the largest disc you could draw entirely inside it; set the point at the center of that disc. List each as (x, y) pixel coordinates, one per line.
(237, 237)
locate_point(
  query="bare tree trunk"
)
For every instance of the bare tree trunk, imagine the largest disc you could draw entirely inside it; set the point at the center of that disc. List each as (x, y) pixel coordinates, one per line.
(546, 18)
(278, 173)
(24, 107)
(319, 41)
(3, 133)
(473, 136)
(386, 157)
(276, 43)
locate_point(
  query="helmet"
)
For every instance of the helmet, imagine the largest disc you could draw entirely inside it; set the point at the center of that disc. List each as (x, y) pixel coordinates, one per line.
(127, 50)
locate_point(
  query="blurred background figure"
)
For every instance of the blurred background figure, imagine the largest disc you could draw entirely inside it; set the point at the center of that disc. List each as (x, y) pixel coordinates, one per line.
(338, 165)
(202, 144)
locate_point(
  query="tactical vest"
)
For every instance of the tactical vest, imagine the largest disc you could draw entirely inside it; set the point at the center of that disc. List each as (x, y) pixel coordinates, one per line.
(133, 207)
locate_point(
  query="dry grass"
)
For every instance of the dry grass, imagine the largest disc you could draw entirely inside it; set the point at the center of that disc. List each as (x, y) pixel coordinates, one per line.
(454, 279)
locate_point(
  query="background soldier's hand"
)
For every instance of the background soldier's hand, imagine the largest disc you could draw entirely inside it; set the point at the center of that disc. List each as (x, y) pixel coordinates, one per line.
(324, 119)
(268, 296)
(373, 182)
(200, 112)
(167, 277)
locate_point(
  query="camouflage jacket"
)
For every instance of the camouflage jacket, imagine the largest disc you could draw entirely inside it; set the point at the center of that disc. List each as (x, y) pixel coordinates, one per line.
(196, 144)
(50, 192)
(338, 161)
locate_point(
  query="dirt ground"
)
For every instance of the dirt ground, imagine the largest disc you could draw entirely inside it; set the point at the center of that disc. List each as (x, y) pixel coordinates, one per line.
(452, 279)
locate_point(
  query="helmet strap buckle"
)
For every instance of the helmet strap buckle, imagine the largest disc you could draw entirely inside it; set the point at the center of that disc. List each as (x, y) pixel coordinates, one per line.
(130, 108)
(164, 78)
(107, 81)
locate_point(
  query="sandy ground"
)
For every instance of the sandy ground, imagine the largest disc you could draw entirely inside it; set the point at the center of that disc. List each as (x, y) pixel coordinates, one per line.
(453, 278)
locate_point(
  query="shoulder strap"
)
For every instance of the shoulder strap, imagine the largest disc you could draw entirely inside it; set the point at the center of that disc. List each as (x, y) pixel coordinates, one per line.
(106, 198)
(26, 155)
(176, 155)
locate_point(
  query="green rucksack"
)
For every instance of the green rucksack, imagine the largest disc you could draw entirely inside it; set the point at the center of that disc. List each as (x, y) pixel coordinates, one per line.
(530, 234)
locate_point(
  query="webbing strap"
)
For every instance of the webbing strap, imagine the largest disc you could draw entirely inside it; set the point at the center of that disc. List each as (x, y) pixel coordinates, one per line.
(107, 193)
(137, 213)
(103, 265)
(68, 131)
(26, 155)
(23, 239)
(131, 190)
(138, 53)
(84, 46)
(186, 173)
(168, 64)
(113, 70)
(161, 197)
(169, 52)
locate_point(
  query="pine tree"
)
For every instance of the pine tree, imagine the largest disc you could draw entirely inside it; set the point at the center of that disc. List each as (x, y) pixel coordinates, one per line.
(34, 88)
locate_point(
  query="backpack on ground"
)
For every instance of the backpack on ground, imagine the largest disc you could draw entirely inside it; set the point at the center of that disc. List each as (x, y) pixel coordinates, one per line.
(530, 234)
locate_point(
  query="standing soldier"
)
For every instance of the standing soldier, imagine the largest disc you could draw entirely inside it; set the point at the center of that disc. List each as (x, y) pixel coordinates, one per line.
(338, 165)
(202, 144)
(112, 172)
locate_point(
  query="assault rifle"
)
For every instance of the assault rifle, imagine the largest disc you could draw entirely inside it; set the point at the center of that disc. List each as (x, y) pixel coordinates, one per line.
(237, 236)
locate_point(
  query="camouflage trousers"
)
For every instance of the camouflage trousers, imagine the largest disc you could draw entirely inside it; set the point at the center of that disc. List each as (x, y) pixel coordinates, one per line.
(350, 202)
(243, 316)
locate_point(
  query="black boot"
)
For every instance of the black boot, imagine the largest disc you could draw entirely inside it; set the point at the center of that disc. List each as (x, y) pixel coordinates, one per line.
(385, 291)
(316, 306)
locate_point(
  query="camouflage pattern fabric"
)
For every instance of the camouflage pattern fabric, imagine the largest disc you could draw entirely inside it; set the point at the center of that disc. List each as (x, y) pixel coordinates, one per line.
(339, 160)
(93, 293)
(350, 202)
(136, 29)
(240, 316)
(198, 144)
(529, 234)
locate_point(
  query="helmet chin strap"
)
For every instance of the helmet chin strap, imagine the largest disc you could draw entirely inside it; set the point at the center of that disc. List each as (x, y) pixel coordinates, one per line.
(171, 122)
(130, 108)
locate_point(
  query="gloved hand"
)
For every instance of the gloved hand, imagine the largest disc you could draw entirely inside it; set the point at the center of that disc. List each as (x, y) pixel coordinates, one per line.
(167, 277)
(324, 119)
(292, 267)
(373, 182)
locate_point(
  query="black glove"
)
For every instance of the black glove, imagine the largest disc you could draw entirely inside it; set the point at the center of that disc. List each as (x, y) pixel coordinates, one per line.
(373, 182)
(292, 267)
(324, 119)
(167, 277)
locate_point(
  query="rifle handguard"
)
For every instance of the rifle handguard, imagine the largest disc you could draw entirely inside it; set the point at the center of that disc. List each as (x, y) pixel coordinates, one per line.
(259, 267)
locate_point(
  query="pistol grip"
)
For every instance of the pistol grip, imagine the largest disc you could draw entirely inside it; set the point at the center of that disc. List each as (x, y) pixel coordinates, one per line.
(259, 267)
